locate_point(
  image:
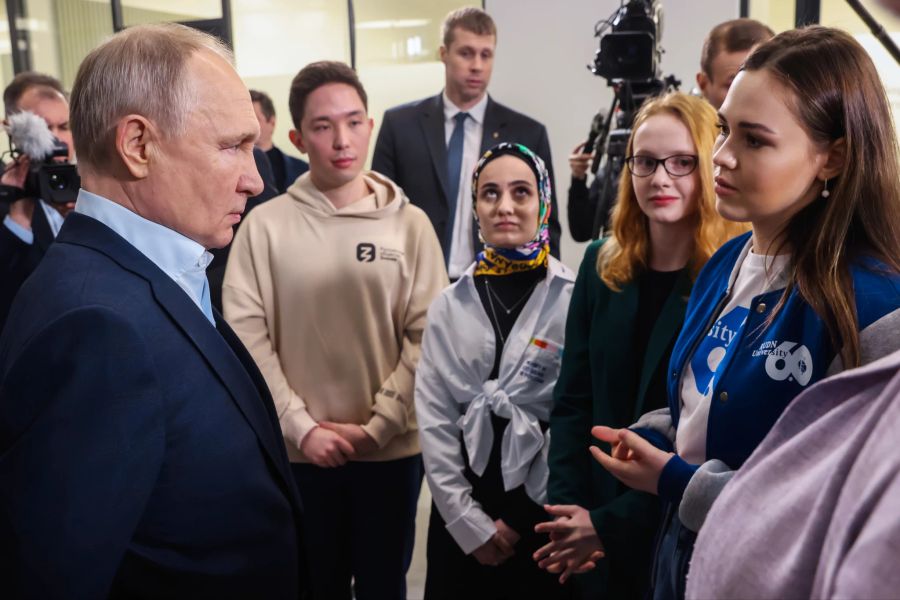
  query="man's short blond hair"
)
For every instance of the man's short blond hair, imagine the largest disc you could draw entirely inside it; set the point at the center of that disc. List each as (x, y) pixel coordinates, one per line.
(469, 19)
(140, 70)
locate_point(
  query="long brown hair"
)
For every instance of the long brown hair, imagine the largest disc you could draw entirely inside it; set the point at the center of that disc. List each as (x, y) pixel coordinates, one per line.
(627, 251)
(837, 95)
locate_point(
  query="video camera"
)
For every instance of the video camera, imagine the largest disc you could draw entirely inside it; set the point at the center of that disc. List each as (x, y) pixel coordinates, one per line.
(628, 58)
(48, 178)
(631, 50)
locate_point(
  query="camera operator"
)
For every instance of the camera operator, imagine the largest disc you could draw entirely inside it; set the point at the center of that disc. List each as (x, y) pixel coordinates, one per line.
(30, 224)
(724, 50)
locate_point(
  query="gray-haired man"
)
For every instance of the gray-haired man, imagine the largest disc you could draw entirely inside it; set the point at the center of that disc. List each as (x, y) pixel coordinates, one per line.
(140, 454)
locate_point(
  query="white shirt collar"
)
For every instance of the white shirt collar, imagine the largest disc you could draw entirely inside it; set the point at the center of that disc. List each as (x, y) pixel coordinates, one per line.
(476, 113)
(178, 256)
(54, 218)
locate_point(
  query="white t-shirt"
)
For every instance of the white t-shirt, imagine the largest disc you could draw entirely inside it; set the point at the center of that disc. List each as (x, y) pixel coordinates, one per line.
(758, 274)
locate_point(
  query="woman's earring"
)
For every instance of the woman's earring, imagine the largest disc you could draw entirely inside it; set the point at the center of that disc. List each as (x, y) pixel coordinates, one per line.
(825, 192)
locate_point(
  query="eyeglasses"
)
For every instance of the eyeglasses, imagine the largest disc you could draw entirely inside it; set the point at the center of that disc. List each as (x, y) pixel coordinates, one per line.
(677, 165)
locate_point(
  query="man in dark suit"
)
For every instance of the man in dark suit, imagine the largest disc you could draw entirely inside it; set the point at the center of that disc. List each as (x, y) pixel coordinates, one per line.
(285, 169)
(30, 224)
(430, 147)
(140, 453)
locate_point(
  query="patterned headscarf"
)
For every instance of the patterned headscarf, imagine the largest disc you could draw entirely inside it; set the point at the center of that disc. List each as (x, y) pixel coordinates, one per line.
(503, 261)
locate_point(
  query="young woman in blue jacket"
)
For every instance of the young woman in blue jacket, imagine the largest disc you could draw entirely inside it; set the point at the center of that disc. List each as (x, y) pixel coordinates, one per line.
(807, 155)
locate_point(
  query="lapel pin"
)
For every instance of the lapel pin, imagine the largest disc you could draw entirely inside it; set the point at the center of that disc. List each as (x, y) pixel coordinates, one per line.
(495, 135)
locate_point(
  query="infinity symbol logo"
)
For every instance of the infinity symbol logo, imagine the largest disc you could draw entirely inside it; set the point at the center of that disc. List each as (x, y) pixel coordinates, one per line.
(783, 364)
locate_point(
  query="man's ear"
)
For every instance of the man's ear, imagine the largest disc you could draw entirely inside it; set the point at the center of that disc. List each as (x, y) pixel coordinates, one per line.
(135, 136)
(702, 82)
(442, 53)
(297, 140)
(834, 164)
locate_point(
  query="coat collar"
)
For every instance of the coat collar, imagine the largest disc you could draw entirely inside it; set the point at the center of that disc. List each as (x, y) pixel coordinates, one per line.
(216, 347)
(494, 123)
(432, 122)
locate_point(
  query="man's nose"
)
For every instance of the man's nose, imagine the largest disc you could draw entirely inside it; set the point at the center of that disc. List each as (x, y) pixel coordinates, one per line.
(251, 182)
(340, 137)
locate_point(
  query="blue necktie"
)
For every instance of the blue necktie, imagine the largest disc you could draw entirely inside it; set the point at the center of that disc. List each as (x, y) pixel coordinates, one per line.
(454, 166)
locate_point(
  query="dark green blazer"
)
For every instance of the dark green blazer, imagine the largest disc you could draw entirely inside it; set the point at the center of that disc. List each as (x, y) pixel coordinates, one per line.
(601, 384)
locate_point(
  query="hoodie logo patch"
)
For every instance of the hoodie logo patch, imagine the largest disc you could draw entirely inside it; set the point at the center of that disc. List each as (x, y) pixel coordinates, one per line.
(365, 252)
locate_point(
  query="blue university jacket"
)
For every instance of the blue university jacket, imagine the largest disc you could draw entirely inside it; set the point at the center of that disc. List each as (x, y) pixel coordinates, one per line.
(765, 367)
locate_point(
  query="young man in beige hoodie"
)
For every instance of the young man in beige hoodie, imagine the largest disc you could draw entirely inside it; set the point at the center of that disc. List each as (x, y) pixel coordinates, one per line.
(328, 286)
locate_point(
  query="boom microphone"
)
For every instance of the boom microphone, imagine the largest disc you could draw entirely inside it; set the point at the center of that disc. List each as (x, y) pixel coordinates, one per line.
(30, 135)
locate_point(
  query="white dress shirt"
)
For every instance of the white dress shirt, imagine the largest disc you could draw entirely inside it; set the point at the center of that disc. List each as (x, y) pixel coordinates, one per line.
(461, 251)
(54, 220)
(179, 257)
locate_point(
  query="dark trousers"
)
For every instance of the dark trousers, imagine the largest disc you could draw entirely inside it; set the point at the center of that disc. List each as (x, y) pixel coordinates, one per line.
(452, 575)
(673, 557)
(360, 523)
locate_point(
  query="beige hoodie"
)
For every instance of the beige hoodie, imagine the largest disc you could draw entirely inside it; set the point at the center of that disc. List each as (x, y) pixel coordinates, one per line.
(332, 303)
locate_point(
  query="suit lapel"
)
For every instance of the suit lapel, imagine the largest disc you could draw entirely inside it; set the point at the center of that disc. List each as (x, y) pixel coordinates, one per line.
(492, 130)
(490, 137)
(618, 329)
(89, 232)
(273, 431)
(432, 121)
(667, 326)
(217, 353)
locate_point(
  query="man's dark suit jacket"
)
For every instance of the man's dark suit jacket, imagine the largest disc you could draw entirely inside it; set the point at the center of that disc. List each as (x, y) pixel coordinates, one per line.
(140, 453)
(18, 260)
(285, 169)
(411, 149)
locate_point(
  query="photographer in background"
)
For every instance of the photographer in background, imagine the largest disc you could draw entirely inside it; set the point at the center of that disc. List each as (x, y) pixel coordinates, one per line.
(724, 50)
(30, 224)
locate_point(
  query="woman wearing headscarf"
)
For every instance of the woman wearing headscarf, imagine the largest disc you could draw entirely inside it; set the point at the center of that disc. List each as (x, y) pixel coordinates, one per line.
(490, 357)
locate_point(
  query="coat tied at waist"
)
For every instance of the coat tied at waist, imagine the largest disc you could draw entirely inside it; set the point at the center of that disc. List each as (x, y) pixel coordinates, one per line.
(522, 441)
